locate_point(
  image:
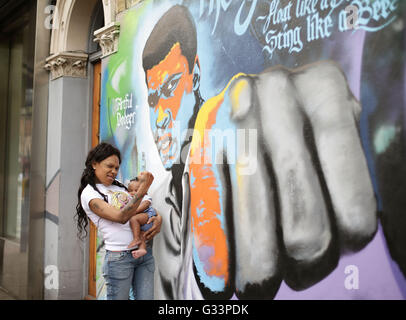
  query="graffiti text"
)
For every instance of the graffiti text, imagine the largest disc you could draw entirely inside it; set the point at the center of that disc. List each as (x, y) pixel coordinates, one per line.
(280, 32)
(240, 24)
(368, 12)
(120, 107)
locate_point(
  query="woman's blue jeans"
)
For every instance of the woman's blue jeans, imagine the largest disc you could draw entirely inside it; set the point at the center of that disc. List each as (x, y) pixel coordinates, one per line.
(122, 272)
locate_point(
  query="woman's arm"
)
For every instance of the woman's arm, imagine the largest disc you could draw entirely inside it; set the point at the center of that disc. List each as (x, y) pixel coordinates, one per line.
(108, 212)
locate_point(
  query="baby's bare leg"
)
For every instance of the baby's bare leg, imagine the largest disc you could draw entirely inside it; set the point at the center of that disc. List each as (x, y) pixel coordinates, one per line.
(142, 247)
(135, 223)
(141, 251)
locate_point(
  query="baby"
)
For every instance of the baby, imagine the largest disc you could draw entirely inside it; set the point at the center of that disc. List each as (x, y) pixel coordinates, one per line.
(138, 223)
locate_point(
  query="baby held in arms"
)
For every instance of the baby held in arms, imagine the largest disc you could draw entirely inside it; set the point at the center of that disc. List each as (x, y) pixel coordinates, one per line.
(140, 222)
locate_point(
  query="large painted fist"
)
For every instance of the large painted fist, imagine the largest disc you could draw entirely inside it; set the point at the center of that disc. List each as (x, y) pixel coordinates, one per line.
(308, 199)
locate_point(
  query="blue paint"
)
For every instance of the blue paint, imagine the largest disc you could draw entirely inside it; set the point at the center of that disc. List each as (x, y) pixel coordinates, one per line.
(369, 106)
(199, 212)
(192, 180)
(215, 284)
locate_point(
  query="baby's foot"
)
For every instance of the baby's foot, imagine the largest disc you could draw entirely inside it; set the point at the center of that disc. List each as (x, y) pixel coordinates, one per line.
(139, 253)
(134, 244)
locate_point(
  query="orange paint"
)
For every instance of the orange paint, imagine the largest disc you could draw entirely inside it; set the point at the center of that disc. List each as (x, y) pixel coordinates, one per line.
(174, 63)
(205, 202)
(205, 197)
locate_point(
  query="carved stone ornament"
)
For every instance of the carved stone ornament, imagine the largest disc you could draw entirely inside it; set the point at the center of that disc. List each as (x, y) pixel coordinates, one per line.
(67, 64)
(107, 38)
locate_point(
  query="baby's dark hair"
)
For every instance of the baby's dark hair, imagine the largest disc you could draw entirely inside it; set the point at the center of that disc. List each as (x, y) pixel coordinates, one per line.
(132, 180)
(96, 155)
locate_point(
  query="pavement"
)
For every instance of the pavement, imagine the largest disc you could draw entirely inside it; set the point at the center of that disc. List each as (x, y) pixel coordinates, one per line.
(4, 295)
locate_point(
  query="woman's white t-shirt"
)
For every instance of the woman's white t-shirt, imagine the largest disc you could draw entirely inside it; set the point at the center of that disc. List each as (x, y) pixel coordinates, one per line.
(116, 236)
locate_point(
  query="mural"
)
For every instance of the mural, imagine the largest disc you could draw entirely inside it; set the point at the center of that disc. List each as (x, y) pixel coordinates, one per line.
(275, 132)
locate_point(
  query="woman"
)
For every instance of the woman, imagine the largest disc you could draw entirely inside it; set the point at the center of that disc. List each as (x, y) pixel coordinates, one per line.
(109, 206)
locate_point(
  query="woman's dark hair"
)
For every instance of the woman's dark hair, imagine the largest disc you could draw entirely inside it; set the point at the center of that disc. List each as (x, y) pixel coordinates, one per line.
(96, 155)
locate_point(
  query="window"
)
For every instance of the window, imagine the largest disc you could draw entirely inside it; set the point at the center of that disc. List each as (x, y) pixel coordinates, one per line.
(15, 134)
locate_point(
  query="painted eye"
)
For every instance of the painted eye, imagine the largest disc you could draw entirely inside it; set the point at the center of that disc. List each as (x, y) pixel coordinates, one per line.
(171, 85)
(153, 99)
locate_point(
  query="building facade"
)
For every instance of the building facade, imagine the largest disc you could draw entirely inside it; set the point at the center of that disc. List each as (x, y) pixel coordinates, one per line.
(24, 102)
(275, 131)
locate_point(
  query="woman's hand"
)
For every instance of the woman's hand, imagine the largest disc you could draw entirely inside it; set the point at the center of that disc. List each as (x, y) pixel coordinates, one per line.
(145, 179)
(156, 227)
